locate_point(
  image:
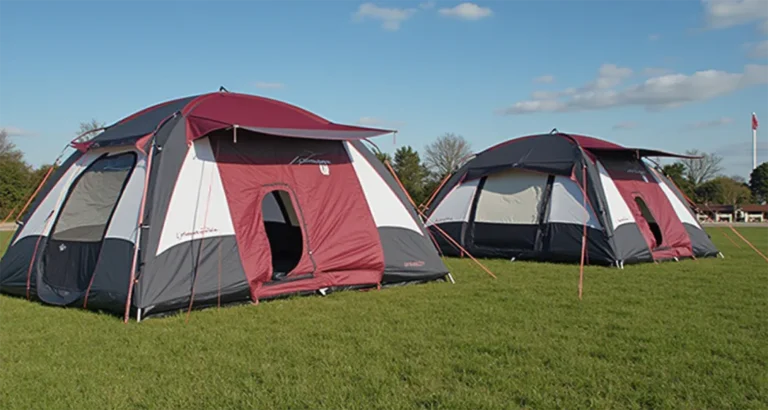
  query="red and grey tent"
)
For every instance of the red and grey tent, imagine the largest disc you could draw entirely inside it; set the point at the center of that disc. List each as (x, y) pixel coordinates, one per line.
(229, 198)
(524, 199)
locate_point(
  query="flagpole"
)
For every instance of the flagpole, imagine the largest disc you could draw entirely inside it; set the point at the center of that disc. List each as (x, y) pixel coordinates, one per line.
(754, 141)
(754, 149)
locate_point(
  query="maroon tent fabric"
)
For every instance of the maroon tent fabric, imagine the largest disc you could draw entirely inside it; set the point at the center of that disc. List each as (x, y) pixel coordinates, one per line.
(216, 111)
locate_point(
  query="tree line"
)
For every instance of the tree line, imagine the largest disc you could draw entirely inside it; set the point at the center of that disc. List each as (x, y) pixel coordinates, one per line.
(701, 180)
(19, 179)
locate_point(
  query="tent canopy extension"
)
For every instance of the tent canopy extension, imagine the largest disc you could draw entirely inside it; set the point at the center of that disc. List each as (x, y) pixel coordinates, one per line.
(524, 199)
(230, 197)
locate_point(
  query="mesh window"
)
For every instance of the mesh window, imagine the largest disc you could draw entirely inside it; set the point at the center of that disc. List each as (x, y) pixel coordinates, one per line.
(90, 204)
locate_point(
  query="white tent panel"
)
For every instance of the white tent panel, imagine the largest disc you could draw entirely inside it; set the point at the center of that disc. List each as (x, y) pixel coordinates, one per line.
(567, 204)
(617, 207)
(385, 206)
(126, 217)
(682, 211)
(511, 197)
(198, 207)
(455, 205)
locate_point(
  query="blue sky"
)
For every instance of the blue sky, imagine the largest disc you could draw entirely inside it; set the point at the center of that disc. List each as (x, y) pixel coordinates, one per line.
(670, 75)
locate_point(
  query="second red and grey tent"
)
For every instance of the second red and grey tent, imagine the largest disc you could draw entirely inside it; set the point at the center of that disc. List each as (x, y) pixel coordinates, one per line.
(523, 199)
(237, 198)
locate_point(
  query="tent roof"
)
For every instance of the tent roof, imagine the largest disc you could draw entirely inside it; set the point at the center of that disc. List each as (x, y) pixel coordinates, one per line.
(554, 153)
(223, 110)
(596, 145)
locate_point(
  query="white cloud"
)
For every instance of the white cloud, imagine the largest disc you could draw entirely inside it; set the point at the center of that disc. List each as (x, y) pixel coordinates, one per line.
(711, 124)
(378, 122)
(729, 13)
(610, 75)
(17, 132)
(656, 71)
(758, 50)
(427, 5)
(626, 125)
(467, 11)
(390, 18)
(654, 37)
(544, 79)
(268, 86)
(660, 92)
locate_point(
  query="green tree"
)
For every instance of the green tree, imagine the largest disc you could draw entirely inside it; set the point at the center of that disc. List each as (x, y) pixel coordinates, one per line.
(723, 190)
(382, 156)
(676, 172)
(411, 172)
(758, 182)
(14, 181)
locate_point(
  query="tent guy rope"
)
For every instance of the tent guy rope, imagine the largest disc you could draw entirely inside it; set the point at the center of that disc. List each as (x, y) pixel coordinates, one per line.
(748, 242)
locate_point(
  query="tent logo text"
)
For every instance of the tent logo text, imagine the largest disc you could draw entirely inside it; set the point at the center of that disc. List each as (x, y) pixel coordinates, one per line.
(202, 231)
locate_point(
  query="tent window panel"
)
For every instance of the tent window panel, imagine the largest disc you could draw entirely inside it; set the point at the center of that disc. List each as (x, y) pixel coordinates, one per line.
(456, 204)
(567, 204)
(512, 197)
(89, 206)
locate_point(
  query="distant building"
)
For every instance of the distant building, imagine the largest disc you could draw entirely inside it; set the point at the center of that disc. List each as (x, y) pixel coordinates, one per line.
(731, 213)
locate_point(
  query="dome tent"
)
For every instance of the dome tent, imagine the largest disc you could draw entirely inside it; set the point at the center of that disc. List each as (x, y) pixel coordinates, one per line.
(524, 199)
(245, 199)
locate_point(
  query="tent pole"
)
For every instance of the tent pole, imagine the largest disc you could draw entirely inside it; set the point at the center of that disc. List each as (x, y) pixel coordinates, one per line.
(9, 214)
(139, 227)
(584, 231)
(426, 205)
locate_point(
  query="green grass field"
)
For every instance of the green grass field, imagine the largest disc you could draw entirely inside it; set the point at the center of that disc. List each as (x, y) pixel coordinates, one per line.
(686, 335)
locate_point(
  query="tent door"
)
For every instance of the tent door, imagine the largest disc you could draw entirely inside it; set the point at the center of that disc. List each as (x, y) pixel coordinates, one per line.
(286, 232)
(647, 222)
(74, 247)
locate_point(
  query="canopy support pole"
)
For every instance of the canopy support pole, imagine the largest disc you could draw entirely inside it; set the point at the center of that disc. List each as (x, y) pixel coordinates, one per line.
(426, 204)
(584, 231)
(139, 227)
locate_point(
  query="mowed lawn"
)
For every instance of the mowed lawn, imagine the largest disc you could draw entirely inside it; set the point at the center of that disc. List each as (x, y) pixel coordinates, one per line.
(677, 335)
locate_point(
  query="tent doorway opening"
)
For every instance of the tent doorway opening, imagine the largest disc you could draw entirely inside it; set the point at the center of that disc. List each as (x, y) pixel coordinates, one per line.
(652, 224)
(77, 235)
(286, 240)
